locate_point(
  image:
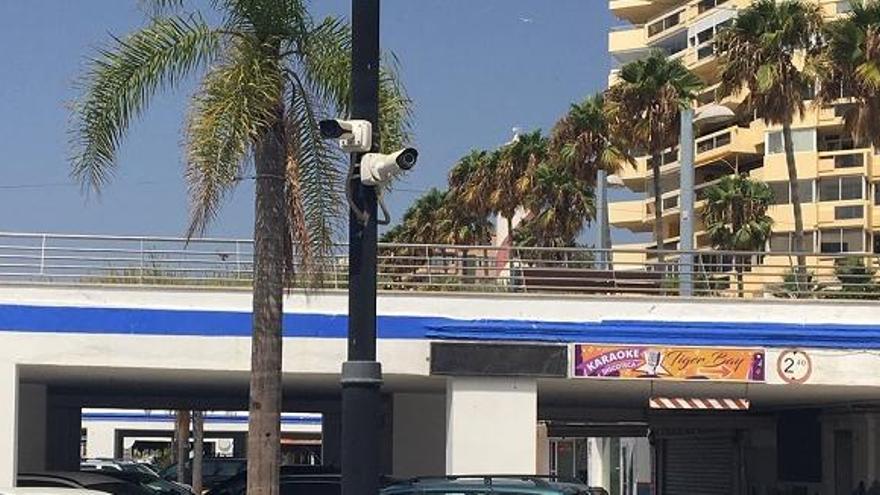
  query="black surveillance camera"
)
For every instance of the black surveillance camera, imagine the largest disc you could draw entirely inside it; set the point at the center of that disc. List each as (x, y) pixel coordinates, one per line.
(331, 129)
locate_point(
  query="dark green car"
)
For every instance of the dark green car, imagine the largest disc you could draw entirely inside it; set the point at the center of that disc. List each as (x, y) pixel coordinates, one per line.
(483, 485)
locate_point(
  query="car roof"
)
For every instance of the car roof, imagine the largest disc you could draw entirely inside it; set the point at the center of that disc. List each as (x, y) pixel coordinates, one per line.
(498, 483)
(81, 477)
(48, 491)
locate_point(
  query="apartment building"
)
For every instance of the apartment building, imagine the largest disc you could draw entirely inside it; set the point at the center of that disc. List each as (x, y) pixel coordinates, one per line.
(839, 183)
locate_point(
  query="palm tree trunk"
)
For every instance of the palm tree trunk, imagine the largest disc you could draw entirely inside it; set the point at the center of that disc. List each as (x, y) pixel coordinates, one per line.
(658, 207)
(198, 434)
(794, 191)
(270, 229)
(182, 427)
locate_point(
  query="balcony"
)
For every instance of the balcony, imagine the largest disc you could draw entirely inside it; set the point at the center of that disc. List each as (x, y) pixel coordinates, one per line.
(639, 11)
(627, 39)
(843, 162)
(843, 213)
(632, 215)
(731, 140)
(665, 25)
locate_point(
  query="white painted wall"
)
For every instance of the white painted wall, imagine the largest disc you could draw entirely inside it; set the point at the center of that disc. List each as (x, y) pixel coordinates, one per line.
(552, 307)
(419, 435)
(32, 427)
(101, 434)
(491, 425)
(8, 423)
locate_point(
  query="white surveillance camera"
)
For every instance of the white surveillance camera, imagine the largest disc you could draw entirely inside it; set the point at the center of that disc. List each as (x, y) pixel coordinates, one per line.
(355, 136)
(378, 168)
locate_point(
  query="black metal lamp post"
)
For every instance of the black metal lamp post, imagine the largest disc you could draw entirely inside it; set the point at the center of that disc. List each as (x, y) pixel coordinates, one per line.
(362, 374)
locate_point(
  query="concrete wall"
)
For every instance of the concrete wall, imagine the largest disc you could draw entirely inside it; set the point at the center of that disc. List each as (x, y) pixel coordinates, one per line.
(32, 406)
(491, 425)
(419, 438)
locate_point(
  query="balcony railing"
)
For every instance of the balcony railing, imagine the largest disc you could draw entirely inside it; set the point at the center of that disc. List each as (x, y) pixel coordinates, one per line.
(81, 260)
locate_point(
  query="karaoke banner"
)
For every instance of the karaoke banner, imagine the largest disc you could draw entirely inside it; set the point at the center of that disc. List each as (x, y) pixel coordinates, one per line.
(674, 363)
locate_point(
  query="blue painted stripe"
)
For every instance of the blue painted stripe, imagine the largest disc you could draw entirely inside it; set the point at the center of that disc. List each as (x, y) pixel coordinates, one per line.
(164, 418)
(237, 324)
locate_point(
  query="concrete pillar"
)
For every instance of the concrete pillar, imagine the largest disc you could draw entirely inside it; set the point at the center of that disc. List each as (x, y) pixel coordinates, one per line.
(419, 435)
(599, 465)
(331, 438)
(101, 439)
(32, 422)
(8, 424)
(491, 425)
(542, 466)
(64, 430)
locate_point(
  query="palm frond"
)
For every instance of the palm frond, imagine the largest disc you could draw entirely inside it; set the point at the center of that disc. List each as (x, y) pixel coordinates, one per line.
(395, 106)
(314, 175)
(120, 81)
(233, 108)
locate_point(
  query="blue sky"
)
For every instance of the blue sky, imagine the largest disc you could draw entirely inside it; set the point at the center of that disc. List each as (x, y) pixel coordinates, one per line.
(475, 68)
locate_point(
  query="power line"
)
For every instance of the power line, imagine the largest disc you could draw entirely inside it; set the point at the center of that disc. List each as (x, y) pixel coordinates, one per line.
(46, 185)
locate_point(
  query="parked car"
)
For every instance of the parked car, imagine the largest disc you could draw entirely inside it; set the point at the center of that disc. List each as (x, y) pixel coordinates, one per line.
(294, 480)
(215, 470)
(151, 482)
(482, 485)
(48, 491)
(115, 465)
(82, 480)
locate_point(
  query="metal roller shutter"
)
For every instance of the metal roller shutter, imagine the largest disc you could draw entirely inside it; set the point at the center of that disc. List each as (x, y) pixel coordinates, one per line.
(699, 465)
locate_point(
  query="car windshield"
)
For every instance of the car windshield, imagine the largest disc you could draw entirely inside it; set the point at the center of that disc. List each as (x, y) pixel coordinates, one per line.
(137, 468)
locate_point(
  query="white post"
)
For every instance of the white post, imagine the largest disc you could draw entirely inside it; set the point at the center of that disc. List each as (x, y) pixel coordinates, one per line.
(8, 424)
(43, 255)
(491, 425)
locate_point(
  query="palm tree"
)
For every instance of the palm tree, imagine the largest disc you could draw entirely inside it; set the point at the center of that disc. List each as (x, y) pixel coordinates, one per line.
(436, 218)
(848, 65)
(757, 53)
(582, 141)
(736, 217)
(644, 109)
(511, 180)
(470, 180)
(560, 204)
(269, 73)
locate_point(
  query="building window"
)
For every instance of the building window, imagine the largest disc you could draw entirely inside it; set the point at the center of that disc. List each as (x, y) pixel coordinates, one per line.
(782, 242)
(877, 194)
(841, 188)
(705, 5)
(849, 212)
(664, 24)
(842, 240)
(876, 242)
(670, 203)
(802, 140)
(836, 142)
(781, 191)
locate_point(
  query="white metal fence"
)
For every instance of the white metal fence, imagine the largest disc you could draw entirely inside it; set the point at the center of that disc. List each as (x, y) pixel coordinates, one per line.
(135, 260)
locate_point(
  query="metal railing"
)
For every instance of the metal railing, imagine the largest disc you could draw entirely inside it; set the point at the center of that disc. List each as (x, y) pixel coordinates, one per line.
(228, 263)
